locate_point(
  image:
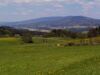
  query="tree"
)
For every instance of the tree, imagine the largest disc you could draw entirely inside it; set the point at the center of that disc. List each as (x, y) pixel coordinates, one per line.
(27, 37)
(94, 32)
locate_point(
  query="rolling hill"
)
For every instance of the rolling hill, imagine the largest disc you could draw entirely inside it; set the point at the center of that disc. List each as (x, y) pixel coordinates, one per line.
(77, 23)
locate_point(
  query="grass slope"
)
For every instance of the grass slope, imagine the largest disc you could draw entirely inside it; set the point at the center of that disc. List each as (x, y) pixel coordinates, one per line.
(87, 67)
(41, 58)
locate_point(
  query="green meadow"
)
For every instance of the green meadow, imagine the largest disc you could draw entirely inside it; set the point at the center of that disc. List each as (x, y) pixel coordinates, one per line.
(45, 58)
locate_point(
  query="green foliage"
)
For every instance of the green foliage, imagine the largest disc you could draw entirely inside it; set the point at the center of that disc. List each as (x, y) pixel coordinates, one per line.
(27, 37)
(61, 33)
(94, 32)
(6, 31)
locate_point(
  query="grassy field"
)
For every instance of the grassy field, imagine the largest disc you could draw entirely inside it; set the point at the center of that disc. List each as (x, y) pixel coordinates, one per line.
(42, 58)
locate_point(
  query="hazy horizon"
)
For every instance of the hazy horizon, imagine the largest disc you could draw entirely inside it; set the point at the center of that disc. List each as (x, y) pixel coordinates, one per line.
(20, 10)
(46, 17)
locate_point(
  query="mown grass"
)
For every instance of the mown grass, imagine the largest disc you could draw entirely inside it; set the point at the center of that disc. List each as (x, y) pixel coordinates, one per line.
(45, 58)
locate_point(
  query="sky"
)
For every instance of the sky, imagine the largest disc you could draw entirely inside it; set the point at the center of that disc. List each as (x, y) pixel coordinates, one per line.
(17, 10)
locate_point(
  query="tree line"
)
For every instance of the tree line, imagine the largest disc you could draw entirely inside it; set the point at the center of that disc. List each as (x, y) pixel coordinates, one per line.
(27, 35)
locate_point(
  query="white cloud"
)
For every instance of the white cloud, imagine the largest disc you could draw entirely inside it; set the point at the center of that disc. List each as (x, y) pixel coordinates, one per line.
(86, 4)
(53, 1)
(37, 1)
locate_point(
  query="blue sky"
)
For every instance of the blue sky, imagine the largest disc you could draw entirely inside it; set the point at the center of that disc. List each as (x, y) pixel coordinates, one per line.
(16, 10)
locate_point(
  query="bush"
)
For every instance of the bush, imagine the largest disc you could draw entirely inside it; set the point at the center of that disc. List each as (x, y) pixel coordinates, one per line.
(27, 38)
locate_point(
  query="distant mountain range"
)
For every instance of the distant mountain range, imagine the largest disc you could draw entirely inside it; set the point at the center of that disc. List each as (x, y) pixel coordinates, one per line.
(77, 23)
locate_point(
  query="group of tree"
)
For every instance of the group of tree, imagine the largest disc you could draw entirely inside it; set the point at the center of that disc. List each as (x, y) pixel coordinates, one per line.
(7, 31)
(10, 31)
(27, 35)
(64, 33)
(94, 32)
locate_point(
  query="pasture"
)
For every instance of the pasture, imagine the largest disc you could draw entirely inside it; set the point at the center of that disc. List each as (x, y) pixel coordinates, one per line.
(45, 58)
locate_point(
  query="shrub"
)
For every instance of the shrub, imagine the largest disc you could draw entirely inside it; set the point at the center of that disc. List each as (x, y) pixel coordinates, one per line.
(27, 38)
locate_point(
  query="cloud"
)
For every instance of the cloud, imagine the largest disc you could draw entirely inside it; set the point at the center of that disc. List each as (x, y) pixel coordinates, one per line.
(50, 1)
(23, 7)
(38, 1)
(85, 4)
